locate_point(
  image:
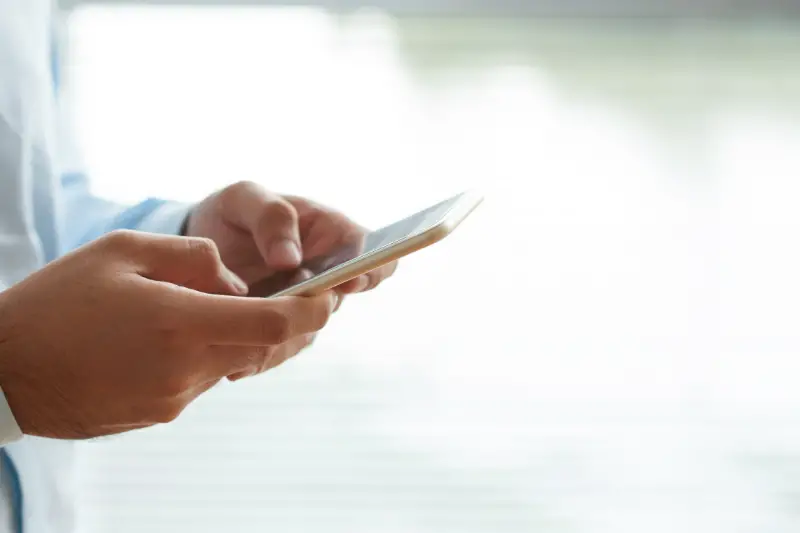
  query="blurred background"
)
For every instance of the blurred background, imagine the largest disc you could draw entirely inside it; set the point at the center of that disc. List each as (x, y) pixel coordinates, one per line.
(610, 344)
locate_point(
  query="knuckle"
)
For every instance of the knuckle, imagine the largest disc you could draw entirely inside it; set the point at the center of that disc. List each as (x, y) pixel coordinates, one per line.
(202, 247)
(176, 384)
(264, 362)
(169, 412)
(122, 239)
(244, 185)
(230, 195)
(276, 327)
(204, 252)
(323, 317)
(321, 313)
(260, 356)
(255, 359)
(276, 359)
(277, 209)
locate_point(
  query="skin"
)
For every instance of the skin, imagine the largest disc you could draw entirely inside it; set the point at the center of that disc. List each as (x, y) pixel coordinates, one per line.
(127, 331)
(262, 235)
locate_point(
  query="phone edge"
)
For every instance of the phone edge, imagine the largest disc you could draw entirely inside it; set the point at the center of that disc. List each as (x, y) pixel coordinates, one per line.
(467, 203)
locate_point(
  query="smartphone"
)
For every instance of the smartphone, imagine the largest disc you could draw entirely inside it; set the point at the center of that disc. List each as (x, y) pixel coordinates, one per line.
(373, 250)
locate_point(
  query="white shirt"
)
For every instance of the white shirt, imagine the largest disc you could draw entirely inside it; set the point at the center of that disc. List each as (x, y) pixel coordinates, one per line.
(45, 210)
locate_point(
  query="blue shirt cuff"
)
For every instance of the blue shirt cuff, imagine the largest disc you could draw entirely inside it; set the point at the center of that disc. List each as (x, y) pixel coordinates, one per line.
(167, 219)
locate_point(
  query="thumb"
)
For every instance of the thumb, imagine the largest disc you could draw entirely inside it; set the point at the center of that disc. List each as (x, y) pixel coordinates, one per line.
(271, 220)
(190, 262)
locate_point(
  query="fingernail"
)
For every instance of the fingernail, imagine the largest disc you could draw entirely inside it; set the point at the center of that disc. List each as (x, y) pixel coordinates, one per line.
(304, 274)
(363, 283)
(286, 252)
(339, 300)
(237, 282)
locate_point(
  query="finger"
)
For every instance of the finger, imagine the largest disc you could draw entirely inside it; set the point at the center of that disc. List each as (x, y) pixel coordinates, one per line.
(379, 275)
(330, 231)
(339, 303)
(354, 286)
(368, 281)
(238, 360)
(288, 351)
(271, 220)
(302, 275)
(279, 282)
(190, 262)
(322, 228)
(273, 359)
(225, 320)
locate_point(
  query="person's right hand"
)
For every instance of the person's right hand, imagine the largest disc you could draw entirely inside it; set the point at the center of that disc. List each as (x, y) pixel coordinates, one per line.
(127, 331)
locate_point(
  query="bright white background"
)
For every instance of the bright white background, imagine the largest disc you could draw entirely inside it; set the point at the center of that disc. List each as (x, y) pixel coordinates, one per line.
(611, 343)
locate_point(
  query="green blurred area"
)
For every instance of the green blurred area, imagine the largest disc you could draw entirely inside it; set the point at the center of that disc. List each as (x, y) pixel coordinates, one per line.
(644, 62)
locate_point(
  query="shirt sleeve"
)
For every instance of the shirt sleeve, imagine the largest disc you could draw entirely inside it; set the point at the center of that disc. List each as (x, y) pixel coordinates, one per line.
(9, 429)
(87, 217)
(84, 217)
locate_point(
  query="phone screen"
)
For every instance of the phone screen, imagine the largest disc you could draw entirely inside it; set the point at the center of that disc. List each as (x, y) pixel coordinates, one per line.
(368, 244)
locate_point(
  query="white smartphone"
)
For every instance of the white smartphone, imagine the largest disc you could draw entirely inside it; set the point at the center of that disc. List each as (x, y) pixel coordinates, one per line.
(375, 249)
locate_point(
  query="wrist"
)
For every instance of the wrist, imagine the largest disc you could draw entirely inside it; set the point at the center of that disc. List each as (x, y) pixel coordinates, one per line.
(27, 406)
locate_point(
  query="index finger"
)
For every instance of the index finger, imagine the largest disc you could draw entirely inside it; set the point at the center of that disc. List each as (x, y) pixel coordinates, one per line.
(232, 321)
(368, 281)
(272, 220)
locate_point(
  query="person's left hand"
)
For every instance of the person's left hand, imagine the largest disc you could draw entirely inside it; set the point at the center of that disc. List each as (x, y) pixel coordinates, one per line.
(260, 233)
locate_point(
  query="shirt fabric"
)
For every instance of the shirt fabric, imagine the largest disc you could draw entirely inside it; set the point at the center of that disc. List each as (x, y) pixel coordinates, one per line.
(46, 210)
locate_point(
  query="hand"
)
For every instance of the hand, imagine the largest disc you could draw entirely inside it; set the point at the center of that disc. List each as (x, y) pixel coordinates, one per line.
(117, 336)
(260, 233)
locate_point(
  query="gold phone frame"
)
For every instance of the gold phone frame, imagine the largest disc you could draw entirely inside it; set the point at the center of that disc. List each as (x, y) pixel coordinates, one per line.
(463, 205)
